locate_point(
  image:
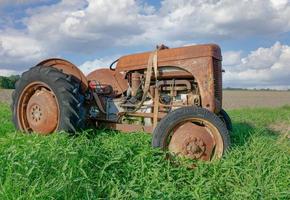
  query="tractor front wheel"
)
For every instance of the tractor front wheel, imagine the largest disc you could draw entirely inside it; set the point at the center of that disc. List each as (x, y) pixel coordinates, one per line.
(192, 132)
(46, 100)
(223, 115)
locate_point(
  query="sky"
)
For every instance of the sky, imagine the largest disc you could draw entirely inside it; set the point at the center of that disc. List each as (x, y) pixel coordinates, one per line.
(254, 35)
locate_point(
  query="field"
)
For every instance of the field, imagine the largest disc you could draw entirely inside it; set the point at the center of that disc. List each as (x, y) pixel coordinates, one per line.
(5, 95)
(234, 99)
(107, 164)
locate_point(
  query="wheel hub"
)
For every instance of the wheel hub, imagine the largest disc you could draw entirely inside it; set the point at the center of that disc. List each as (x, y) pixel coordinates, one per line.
(36, 114)
(192, 141)
(194, 148)
(42, 112)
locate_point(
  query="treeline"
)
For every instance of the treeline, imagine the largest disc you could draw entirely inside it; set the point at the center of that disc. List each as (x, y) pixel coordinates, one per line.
(8, 82)
(254, 89)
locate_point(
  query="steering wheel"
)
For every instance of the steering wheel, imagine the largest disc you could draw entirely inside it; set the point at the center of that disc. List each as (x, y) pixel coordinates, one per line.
(111, 65)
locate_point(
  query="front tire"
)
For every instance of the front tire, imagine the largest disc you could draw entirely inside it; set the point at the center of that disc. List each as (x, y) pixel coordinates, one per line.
(192, 132)
(226, 119)
(46, 100)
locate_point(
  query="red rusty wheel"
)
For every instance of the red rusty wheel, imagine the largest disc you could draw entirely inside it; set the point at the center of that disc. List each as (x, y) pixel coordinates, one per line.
(38, 109)
(191, 132)
(45, 100)
(196, 139)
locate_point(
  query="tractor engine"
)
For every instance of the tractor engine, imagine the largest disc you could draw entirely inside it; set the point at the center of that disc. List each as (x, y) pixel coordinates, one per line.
(173, 93)
(132, 107)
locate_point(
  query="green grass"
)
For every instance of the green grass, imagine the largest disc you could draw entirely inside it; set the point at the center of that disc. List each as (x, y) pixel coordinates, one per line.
(106, 164)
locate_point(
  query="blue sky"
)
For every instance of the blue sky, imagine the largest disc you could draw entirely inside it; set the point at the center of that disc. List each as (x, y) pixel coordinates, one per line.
(254, 34)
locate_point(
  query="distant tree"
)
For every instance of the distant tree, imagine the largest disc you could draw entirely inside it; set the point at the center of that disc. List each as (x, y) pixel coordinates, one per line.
(8, 82)
(230, 88)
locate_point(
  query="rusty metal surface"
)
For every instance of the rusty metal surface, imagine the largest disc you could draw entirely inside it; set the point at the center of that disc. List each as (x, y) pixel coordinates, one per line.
(196, 60)
(196, 141)
(173, 75)
(175, 83)
(37, 109)
(135, 83)
(139, 61)
(192, 141)
(146, 115)
(67, 68)
(42, 112)
(156, 107)
(110, 77)
(202, 70)
(127, 127)
(217, 70)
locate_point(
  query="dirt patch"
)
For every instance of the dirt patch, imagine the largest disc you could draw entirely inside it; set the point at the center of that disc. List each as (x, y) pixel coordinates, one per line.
(5, 96)
(233, 99)
(281, 127)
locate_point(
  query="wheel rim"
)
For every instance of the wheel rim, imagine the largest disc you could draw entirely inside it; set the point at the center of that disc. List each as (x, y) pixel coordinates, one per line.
(38, 109)
(196, 139)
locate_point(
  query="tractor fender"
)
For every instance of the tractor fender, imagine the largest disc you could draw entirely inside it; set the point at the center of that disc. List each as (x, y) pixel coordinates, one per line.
(109, 77)
(67, 68)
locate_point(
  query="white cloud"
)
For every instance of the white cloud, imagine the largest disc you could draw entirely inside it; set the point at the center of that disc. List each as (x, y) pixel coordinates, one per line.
(264, 67)
(7, 72)
(89, 26)
(98, 63)
(278, 4)
(18, 50)
(231, 58)
(223, 19)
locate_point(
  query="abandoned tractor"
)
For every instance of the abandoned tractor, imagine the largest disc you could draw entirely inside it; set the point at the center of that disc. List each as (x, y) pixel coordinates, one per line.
(175, 94)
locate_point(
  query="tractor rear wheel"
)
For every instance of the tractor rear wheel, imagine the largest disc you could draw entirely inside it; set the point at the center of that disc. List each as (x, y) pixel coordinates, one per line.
(192, 132)
(46, 100)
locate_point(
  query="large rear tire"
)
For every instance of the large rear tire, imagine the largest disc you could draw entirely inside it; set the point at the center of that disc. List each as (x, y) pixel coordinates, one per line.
(46, 100)
(192, 132)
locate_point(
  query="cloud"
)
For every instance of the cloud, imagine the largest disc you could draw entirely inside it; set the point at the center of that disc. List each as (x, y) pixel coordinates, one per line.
(18, 50)
(262, 68)
(98, 63)
(231, 58)
(188, 20)
(7, 72)
(90, 26)
(87, 26)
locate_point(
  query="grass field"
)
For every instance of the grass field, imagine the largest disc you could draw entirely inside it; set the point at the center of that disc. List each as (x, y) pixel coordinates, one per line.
(105, 164)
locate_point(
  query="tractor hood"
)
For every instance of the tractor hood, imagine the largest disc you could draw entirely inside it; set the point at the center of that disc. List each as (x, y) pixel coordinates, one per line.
(140, 60)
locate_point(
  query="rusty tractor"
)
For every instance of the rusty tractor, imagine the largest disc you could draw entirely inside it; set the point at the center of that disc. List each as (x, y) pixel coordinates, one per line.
(175, 94)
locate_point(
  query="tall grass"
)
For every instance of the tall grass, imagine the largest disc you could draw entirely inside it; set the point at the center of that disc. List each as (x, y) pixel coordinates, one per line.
(106, 164)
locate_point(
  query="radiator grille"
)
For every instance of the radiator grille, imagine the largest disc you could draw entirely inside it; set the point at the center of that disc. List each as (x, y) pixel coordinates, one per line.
(217, 68)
